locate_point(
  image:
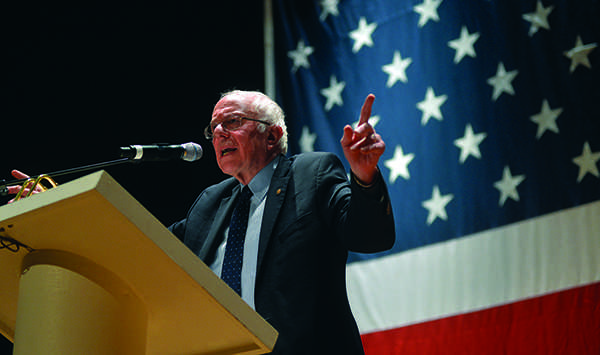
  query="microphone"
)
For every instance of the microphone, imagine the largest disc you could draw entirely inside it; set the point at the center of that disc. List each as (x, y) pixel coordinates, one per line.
(161, 152)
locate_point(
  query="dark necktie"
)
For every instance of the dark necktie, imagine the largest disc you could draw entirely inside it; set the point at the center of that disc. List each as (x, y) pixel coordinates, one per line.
(234, 249)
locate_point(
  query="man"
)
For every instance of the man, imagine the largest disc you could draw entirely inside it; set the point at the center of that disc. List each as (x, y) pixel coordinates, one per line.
(303, 218)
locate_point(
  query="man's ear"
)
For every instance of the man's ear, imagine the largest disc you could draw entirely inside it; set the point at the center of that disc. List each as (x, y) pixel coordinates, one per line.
(274, 135)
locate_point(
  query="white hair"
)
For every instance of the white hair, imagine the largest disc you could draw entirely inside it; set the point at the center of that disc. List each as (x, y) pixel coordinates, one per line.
(268, 110)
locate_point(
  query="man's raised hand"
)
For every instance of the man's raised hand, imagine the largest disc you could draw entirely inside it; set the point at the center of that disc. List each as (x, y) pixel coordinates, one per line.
(363, 146)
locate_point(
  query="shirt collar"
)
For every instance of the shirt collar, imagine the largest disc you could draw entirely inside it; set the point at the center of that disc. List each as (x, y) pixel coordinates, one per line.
(260, 183)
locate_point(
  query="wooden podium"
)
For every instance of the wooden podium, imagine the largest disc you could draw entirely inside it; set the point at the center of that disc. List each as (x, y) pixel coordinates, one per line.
(85, 269)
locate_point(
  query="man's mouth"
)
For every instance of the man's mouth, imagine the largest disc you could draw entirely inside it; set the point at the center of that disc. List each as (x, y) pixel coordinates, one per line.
(226, 151)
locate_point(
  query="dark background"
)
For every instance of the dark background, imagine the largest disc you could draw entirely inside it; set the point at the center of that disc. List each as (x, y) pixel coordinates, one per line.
(85, 79)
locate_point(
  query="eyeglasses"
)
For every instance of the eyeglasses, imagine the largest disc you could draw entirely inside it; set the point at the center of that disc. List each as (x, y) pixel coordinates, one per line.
(229, 124)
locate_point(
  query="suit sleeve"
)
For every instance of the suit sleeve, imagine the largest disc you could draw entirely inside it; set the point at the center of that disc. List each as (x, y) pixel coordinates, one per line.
(370, 225)
(361, 216)
(178, 228)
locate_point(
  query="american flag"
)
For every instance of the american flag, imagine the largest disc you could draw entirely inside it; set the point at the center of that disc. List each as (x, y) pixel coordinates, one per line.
(490, 111)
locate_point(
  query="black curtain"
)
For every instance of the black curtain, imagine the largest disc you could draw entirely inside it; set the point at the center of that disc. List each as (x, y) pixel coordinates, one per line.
(84, 79)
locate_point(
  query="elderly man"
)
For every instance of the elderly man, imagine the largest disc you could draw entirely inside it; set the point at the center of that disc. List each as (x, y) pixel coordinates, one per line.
(278, 232)
(302, 218)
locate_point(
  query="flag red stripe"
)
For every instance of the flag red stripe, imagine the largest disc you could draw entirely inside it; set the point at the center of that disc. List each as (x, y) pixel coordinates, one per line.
(566, 322)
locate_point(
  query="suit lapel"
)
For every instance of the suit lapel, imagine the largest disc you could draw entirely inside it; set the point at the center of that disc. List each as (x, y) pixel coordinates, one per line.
(273, 203)
(218, 224)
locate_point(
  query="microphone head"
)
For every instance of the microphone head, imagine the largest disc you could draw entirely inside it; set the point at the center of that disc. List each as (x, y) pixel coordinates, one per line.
(193, 151)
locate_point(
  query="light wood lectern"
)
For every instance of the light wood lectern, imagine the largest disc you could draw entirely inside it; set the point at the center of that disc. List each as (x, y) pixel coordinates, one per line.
(85, 269)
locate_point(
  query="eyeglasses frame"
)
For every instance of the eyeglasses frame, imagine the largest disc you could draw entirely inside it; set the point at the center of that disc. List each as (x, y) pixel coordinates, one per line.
(209, 133)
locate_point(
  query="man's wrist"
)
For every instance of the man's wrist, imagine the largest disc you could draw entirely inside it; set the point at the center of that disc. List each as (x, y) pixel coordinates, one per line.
(363, 184)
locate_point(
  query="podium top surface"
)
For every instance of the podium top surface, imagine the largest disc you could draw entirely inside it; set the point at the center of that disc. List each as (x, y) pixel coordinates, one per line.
(190, 310)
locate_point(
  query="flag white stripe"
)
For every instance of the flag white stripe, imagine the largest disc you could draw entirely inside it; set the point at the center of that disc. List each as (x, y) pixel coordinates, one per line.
(527, 259)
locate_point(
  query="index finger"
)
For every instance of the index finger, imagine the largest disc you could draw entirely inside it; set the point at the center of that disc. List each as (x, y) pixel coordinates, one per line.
(365, 112)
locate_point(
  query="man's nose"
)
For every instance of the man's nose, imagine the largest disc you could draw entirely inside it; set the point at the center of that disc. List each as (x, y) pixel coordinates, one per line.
(219, 130)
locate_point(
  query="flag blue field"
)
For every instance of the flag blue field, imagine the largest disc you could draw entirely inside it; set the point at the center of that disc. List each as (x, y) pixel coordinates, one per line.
(490, 111)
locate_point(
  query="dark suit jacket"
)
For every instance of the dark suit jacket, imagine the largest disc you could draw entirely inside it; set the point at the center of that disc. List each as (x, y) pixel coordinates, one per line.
(312, 217)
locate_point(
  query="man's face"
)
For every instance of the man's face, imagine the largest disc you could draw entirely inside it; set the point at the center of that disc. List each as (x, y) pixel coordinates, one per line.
(243, 152)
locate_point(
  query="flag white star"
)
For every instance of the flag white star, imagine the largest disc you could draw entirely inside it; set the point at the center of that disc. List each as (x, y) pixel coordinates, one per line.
(539, 18)
(587, 162)
(546, 119)
(398, 165)
(469, 144)
(427, 11)
(431, 106)
(502, 81)
(396, 70)
(299, 56)
(464, 44)
(362, 35)
(579, 54)
(307, 140)
(508, 186)
(330, 7)
(333, 93)
(436, 206)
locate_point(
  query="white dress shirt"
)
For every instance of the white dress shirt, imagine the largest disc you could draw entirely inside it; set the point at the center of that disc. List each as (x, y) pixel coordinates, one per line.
(259, 186)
